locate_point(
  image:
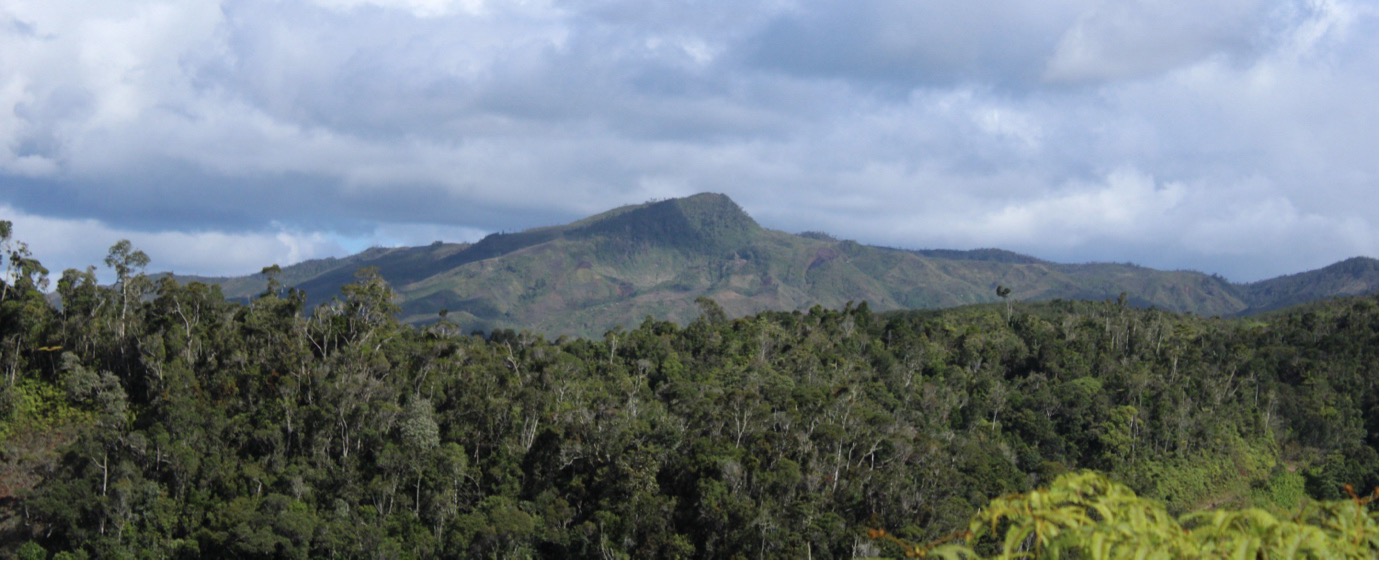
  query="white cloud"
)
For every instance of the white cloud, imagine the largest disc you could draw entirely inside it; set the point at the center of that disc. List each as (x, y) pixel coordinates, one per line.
(1115, 41)
(1127, 205)
(287, 126)
(61, 244)
(419, 8)
(1325, 25)
(1277, 222)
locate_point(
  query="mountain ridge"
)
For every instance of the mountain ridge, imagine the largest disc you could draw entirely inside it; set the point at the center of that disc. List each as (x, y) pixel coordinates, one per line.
(654, 259)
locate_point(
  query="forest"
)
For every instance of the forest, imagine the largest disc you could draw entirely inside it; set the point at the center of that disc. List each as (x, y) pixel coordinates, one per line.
(152, 419)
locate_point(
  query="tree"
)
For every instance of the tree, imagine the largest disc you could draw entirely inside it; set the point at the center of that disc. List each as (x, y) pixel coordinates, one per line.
(23, 273)
(128, 264)
(271, 274)
(24, 312)
(418, 430)
(1003, 292)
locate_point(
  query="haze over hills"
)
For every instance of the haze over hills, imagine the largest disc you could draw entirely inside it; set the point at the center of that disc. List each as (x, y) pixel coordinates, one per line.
(655, 259)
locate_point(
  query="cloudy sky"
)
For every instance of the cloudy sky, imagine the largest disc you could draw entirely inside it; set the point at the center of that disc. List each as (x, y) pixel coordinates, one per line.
(1232, 137)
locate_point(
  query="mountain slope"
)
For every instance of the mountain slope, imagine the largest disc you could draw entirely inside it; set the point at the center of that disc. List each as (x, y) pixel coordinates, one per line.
(654, 259)
(1352, 277)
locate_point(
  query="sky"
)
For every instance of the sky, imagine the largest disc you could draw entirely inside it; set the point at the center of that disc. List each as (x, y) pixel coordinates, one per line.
(1232, 137)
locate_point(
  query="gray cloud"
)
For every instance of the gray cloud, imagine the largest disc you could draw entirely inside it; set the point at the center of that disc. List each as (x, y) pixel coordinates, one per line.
(909, 44)
(1134, 39)
(1235, 137)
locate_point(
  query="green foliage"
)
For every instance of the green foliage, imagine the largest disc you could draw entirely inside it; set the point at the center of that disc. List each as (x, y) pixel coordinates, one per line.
(39, 405)
(153, 419)
(1235, 474)
(1086, 516)
(1284, 491)
(31, 551)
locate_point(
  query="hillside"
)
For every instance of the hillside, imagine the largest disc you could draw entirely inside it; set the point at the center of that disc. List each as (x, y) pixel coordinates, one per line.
(1352, 277)
(655, 259)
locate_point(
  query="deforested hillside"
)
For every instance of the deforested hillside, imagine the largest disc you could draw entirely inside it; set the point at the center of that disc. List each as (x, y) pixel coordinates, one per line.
(656, 259)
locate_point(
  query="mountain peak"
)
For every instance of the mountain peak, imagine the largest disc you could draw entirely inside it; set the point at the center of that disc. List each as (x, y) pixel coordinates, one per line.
(712, 211)
(705, 220)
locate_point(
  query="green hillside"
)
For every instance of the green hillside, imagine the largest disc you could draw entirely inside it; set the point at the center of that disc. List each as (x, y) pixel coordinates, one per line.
(655, 259)
(1352, 277)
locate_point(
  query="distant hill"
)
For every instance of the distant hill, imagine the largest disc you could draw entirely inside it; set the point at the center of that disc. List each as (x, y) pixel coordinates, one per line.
(655, 259)
(1351, 277)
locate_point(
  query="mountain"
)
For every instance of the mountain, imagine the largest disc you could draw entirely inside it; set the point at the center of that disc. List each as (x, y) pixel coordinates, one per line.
(1356, 276)
(655, 259)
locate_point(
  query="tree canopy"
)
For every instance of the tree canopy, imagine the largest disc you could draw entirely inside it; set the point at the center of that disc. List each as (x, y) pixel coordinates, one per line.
(154, 419)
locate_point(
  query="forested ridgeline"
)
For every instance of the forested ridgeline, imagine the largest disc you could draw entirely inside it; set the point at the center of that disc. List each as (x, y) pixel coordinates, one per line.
(151, 419)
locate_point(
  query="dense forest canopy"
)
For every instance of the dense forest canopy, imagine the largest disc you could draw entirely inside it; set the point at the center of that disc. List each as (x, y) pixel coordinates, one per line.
(153, 419)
